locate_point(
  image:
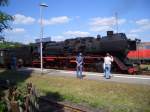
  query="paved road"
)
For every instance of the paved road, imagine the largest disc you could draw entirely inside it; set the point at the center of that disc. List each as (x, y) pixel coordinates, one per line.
(124, 78)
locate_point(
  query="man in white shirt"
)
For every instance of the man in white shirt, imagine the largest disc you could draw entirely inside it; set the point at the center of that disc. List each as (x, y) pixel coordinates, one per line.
(108, 59)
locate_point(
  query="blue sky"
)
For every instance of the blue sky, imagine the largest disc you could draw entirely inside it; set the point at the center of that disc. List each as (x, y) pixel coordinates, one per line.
(73, 18)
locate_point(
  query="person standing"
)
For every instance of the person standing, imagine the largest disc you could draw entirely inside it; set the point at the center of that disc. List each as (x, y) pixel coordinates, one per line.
(13, 62)
(108, 59)
(79, 67)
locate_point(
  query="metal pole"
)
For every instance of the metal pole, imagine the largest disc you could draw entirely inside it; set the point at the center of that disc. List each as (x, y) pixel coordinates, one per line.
(41, 36)
(138, 45)
(138, 53)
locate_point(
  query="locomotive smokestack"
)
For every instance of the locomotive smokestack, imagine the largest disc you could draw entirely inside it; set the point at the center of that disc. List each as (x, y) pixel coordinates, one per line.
(110, 33)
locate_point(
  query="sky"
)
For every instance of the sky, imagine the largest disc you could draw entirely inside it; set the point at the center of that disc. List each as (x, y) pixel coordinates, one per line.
(64, 19)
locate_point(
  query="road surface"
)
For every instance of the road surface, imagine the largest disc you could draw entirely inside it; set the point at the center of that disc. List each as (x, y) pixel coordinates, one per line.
(123, 78)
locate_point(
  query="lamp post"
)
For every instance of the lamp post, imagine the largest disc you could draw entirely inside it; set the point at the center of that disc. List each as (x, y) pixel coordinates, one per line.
(41, 35)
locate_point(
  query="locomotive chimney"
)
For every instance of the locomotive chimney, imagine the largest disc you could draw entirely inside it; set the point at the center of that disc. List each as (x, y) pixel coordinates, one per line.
(109, 33)
(98, 37)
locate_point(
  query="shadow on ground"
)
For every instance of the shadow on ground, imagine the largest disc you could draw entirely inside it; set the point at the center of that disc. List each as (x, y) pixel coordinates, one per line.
(9, 78)
(49, 102)
(54, 102)
(14, 76)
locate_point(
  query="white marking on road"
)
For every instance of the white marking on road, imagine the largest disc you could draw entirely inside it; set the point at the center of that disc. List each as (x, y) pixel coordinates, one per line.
(72, 72)
(129, 77)
(132, 77)
(98, 74)
(117, 76)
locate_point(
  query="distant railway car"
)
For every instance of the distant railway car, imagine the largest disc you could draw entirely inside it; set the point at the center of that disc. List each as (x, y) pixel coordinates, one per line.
(4, 58)
(142, 54)
(23, 53)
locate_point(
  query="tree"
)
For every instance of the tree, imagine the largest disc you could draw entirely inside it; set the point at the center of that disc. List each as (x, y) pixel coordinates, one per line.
(4, 17)
(3, 2)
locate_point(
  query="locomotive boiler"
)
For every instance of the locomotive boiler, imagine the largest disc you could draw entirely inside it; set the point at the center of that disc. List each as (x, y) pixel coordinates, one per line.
(62, 54)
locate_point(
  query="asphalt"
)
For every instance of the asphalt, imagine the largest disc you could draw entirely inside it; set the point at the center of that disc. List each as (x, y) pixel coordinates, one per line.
(123, 78)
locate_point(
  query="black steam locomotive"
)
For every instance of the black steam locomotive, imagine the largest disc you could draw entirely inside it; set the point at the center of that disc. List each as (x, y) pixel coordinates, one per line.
(113, 43)
(62, 54)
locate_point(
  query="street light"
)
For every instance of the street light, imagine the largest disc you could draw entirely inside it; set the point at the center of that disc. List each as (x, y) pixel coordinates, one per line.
(41, 35)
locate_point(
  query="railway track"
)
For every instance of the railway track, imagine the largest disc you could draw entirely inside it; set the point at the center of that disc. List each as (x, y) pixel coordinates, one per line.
(47, 105)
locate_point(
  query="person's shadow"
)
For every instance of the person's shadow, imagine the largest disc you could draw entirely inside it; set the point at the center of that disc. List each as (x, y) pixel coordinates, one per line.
(50, 102)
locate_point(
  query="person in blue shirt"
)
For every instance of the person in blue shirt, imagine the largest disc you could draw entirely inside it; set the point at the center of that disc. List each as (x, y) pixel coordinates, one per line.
(13, 62)
(79, 67)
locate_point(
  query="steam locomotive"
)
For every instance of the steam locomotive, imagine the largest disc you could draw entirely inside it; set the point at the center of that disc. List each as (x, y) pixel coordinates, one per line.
(61, 55)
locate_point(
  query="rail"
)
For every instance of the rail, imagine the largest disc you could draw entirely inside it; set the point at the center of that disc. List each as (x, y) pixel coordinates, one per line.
(60, 107)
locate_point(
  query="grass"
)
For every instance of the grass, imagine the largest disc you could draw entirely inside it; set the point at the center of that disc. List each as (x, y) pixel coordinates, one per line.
(108, 96)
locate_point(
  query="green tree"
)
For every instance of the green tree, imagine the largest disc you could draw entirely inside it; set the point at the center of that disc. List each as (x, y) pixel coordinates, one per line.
(4, 17)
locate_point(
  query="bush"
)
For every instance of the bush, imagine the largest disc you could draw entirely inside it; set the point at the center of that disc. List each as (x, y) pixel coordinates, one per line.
(3, 106)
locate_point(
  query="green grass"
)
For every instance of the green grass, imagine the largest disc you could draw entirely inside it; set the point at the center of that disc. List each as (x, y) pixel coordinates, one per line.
(109, 96)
